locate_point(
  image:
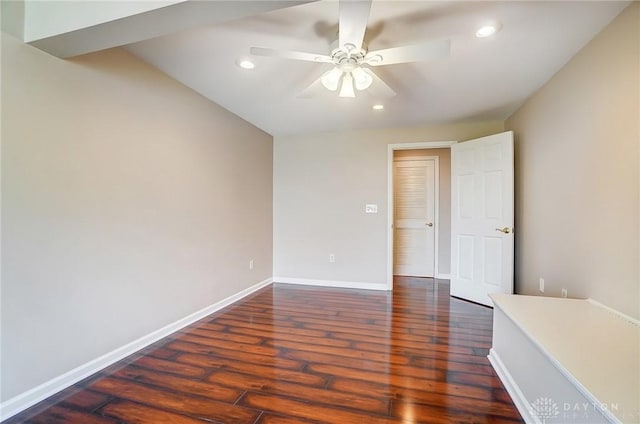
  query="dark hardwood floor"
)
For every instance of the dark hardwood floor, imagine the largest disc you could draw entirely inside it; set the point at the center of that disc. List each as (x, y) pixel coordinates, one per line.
(295, 354)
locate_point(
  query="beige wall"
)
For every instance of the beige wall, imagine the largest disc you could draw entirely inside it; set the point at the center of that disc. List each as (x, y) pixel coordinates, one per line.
(321, 185)
(12, 17)
(128, 202)
(577, 179)
(444, 201)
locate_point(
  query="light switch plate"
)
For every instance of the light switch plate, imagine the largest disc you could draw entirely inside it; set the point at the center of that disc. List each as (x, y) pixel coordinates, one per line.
(371, 209)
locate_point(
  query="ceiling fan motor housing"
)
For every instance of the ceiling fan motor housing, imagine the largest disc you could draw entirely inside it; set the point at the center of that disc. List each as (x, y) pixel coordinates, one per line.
(347, 57)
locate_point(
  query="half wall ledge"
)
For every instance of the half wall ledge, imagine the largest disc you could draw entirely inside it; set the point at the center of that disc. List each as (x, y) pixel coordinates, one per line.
(567, 360)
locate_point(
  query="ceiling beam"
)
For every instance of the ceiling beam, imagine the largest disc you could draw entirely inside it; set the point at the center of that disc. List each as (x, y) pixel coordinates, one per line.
(85, 27)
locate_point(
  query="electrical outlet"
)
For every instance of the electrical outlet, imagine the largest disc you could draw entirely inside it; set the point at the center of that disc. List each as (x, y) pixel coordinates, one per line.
(251, 264)
(332, 258)
(564, 293)
(541, 285)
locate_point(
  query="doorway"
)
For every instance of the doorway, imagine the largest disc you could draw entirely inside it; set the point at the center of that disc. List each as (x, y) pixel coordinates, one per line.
(419, 202)
(481, 253)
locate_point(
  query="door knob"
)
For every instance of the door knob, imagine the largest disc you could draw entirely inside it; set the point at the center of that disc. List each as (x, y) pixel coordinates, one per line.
(505, 230)
(429, 224)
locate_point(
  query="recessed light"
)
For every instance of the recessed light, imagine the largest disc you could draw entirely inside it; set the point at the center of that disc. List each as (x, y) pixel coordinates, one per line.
(378, 107)
(487, 30)
(246, 64)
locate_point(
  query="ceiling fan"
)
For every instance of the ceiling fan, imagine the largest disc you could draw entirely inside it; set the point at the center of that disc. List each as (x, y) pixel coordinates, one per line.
(351, 59)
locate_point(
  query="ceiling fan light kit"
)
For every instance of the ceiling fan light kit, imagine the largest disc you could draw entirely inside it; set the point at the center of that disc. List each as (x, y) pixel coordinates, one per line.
(348, 71)
(357, 77)
(362, 79)
(349, 57)
(347, 86)
(331, 79)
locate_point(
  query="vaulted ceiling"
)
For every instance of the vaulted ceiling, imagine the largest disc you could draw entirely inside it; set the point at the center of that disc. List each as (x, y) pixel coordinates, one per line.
(481, 79)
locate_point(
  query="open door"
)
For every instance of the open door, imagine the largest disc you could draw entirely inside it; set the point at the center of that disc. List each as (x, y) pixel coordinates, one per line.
(482, 217)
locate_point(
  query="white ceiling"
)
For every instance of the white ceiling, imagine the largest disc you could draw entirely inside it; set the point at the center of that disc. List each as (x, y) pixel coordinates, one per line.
(482, 79)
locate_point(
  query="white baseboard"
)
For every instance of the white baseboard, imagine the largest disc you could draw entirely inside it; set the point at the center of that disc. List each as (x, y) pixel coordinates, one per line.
(29, 398)
(519, 400)
(444, 276)
(331, 283)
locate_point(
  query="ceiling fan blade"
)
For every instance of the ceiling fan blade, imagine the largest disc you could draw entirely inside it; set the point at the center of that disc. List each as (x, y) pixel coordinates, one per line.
(313, 90)
(378, 88)
(415, 53)
(290, 54)
(354, 15)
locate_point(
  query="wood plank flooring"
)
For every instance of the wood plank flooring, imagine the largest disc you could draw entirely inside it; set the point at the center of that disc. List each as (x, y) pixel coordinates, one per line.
(296, 354)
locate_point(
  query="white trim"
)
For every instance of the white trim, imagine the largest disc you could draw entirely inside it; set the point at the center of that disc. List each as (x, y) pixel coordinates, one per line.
(331, 283)
(422, 145)
(436, 217)
(444, 276)
(390, 149)
(29, 398)
(519, 399)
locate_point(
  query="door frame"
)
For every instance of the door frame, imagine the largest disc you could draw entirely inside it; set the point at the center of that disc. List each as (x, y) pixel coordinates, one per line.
(391, 148)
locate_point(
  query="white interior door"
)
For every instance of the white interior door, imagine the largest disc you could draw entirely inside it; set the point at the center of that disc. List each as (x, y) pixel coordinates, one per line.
(482, 217)
(414, 217)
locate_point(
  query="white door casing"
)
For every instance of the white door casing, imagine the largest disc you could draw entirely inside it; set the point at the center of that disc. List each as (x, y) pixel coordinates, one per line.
(391, 149)
(415, 212)
(482, 201)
